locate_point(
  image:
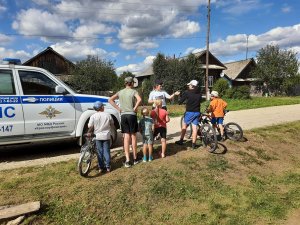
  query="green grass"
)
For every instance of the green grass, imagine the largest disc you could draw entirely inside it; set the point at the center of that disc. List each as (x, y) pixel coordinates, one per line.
(255, 182)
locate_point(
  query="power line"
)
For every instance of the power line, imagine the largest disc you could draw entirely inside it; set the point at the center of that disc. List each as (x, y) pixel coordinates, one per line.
(96, 38)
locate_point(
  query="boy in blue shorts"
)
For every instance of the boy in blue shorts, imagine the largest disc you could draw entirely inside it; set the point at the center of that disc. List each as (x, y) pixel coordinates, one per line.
(146, 128)
(193, 99)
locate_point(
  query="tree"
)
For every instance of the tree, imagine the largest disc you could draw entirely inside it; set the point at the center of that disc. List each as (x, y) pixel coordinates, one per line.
(176, 73)
(275, 67)
(221, 86)
(120, 84)
(94, 74)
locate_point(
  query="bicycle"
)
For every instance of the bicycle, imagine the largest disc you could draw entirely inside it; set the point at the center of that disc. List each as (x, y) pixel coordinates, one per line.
(87, 153)
(232, 130)
(205, 132)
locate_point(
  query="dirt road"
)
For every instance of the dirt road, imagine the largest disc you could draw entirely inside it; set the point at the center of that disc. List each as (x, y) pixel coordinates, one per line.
(33, 155)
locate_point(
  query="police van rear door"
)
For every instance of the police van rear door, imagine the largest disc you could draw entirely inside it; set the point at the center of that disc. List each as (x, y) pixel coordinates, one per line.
(11, 114)
(46, 113)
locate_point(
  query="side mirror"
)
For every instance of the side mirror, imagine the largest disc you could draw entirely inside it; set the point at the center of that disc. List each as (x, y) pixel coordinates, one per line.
(60, 90)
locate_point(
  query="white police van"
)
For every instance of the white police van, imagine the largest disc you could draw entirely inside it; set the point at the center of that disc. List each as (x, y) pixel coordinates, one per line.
(36, 106)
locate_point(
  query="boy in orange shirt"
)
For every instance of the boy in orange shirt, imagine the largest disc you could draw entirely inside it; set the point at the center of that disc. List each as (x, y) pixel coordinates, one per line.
(217, 107)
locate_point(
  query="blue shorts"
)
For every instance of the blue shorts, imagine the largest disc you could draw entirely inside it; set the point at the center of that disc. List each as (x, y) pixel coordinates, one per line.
(217, 120)
(191, 117)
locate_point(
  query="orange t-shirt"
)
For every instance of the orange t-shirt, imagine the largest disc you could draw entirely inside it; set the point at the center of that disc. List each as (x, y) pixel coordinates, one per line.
(217, 107)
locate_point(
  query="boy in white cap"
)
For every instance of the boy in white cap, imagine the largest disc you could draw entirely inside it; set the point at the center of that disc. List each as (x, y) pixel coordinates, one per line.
(193, 99)
(217, 107)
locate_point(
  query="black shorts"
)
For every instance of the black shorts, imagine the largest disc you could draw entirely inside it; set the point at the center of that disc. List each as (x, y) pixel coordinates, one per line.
(129, 124)
(162, 131)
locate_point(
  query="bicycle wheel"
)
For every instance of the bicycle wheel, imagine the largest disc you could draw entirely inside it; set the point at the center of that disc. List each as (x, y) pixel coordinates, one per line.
(189, 131)
(85, 160)
(209, 137)
(233, 131)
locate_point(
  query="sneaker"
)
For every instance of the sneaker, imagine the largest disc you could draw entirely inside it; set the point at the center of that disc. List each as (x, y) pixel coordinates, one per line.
(136, 161)
(145, 159)
(127, 164)
(194, 146)
(180, 142)
(108, 170)
(150, 158)
(223, 138)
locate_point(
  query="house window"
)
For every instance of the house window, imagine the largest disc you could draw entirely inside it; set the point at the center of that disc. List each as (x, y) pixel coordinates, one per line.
(210, 81)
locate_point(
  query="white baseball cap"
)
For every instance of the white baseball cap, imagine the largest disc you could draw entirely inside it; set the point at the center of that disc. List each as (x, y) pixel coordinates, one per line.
(193, 82)
(214, 94)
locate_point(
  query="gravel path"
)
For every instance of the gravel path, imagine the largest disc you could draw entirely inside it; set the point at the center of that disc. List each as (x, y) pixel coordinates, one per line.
(247, 119)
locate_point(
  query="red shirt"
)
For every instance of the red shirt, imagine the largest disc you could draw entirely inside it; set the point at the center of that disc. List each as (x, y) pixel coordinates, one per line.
(160, 119)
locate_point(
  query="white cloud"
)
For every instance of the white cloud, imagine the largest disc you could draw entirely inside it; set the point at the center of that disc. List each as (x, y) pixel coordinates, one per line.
(19, 54)
(37, 22)
(184, 28)
(285, 37)
(135, 68)
(92, 29)
(2, 9)
(79, 50)
(41, 2)
(4, 39)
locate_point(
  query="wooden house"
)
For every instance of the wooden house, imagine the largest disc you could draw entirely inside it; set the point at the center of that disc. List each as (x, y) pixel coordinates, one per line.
(239, 72)
(53, 62)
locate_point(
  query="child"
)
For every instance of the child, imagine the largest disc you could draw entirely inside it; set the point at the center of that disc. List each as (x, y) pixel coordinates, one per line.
(217, 107)
(101, 123)
(161, 118)
(146, 127)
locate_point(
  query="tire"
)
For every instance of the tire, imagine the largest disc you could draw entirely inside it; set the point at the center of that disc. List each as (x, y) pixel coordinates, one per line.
(85, 161)
(189, 131)
(209, 137)
(233, 131)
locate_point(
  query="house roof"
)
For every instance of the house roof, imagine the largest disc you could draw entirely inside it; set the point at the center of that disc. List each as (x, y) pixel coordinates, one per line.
(147, 72)
(234, 69)
(43, 52)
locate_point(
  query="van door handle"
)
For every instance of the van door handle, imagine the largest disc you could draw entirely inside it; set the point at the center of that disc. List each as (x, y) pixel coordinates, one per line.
(32, 99)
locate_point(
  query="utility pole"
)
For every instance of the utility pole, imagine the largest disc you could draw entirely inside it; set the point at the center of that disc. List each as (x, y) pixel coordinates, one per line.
(207, 51)
(247, 48)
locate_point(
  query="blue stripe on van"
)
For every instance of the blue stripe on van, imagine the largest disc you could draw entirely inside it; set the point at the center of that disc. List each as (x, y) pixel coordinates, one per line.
(51, 99)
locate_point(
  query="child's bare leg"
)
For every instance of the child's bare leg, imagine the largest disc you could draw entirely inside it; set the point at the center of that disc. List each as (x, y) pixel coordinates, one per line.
(150, 147)
(221, 127)
(145, 150)
(126, 146)
(194, 134)
(183, 131)
(134, 145)
(163, 147)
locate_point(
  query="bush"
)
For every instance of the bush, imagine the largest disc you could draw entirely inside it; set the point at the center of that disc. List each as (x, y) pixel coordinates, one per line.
(221, 86)
(242, 92)
(290, 85)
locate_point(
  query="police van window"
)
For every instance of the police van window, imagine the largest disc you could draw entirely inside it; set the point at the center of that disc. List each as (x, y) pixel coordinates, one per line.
(35, 83)
(7, 86)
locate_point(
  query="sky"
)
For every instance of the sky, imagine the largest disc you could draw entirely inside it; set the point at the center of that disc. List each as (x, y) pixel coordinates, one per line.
(130, 33)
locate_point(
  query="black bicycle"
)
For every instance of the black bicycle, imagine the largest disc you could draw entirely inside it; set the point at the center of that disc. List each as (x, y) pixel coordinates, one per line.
(232, 130)
(205, 133)
(87, 154)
